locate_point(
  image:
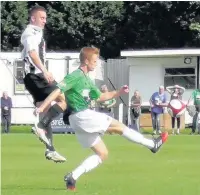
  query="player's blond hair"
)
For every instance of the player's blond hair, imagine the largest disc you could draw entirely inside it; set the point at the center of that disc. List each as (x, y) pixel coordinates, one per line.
(87, 53)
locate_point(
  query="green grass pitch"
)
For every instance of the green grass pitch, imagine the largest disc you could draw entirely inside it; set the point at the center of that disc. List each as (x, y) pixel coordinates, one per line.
(130, 169)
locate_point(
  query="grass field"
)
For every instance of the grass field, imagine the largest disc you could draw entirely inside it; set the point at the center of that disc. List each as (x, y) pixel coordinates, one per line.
(130, 169)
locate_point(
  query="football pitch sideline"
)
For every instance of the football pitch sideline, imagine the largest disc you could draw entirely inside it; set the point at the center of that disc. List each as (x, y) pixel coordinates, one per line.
(130, 168)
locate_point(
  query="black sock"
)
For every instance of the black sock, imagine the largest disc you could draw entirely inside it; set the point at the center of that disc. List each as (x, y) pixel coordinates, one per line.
(51, 148)
(53, 112)
(49, 135)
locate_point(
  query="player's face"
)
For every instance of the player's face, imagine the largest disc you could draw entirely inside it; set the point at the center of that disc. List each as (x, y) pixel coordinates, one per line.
(39, 19)
(92, 62)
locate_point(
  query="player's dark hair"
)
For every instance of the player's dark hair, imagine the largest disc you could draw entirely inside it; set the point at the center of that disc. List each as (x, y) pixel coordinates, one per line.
(35, 9)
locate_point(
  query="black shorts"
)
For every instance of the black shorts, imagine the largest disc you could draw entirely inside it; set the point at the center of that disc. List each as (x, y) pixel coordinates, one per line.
(38, 86)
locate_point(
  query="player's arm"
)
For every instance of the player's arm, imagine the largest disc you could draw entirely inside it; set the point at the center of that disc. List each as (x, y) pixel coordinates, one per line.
(31, 46)
(52, 97)
(66, 84)
(108, 95)
(36, 60)
(112, 94)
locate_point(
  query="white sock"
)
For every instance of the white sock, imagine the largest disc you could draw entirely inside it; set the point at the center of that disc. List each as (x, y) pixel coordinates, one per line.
(137, 137)
(86, 166)
(178, 130)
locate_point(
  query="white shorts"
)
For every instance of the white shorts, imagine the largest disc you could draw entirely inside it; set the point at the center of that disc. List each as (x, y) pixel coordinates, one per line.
(89, 125)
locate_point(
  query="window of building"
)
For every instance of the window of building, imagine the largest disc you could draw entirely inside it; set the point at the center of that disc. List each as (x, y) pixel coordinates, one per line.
(18, 80)
(185, 77)
(19, 87)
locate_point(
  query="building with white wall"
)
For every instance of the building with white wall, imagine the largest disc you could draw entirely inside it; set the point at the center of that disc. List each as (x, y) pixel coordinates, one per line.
(11, 79)
(151, 68)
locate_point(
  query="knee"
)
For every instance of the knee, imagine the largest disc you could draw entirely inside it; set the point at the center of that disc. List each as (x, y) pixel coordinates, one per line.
(61, 101)
(103, 155)
(61, 98)
(116, 127)
(64, 105)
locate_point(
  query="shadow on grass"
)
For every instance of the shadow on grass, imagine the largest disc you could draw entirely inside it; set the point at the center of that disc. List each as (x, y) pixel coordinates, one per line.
(36, 188)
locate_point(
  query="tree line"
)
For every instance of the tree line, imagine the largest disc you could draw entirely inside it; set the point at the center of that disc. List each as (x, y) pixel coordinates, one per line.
(111, 26)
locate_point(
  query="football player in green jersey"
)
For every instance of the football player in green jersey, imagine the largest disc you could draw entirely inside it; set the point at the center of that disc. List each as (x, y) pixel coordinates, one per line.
(88, 124)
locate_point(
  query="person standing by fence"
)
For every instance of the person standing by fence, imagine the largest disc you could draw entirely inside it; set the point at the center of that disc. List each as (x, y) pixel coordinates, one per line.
(176, 92)
(195, 100)
(135, 113)
(6, 105)
(157, 101)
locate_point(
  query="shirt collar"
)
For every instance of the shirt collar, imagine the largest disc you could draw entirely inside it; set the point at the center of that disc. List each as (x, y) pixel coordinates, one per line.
(35, 27)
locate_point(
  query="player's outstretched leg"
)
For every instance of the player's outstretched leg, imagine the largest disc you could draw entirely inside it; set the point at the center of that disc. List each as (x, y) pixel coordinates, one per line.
(88, 133)
(153, 144)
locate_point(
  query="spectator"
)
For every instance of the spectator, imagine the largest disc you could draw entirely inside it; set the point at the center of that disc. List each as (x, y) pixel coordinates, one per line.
(6, 105)
(157, 101)
(195, 100)
(107, 106)
(136, 102)
(176, 92)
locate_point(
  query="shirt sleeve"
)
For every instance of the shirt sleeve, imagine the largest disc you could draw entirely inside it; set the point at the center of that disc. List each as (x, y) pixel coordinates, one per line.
(67, 83)
(30, 43)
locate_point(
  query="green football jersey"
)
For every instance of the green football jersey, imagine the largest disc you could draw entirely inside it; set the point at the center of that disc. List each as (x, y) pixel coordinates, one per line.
(79, 90)
(196, 96)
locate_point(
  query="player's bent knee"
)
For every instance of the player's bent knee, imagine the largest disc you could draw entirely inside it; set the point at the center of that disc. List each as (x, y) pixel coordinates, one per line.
(61, 98)
(116, 127)
(61, 102)
(101, 150)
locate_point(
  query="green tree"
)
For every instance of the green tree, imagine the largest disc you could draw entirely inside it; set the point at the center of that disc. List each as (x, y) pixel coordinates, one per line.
(14, 15)
(72, 25)
(159, 24)
(112, 26)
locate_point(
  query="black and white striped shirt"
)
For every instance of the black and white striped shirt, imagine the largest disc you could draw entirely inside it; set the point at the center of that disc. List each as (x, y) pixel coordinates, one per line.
(32, 39)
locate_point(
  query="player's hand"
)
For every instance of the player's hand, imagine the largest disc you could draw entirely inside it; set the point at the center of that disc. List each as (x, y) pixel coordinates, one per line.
(124, 89)
(49, 77)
